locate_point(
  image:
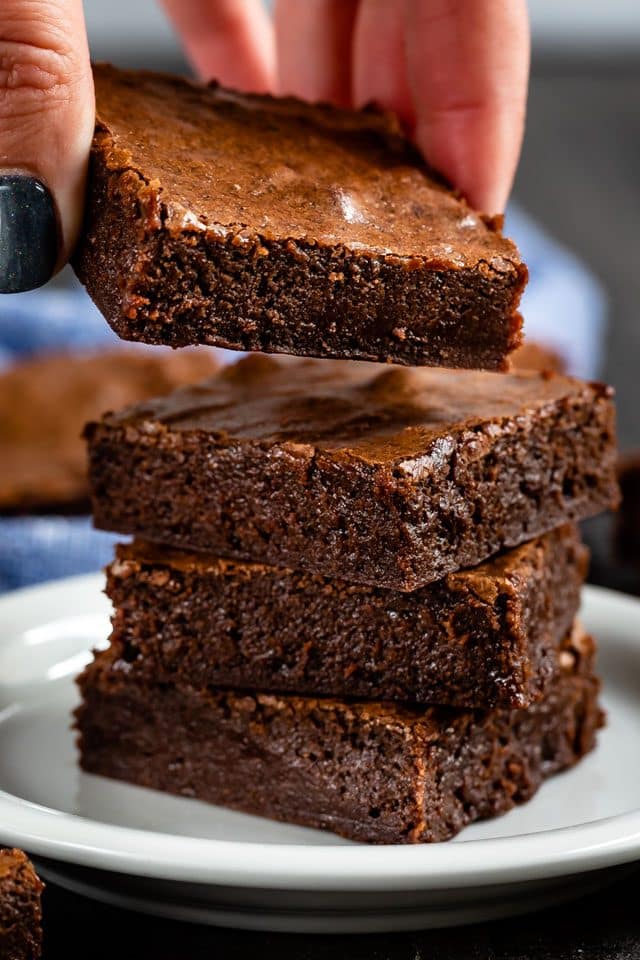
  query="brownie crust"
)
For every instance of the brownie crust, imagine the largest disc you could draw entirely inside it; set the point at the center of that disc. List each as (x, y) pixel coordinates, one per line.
(375, 772)
(482, 637)
(258, 223)
(20, 907)
(392, 478)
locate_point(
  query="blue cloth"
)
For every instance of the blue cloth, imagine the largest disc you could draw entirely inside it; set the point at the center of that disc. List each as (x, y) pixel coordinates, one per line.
(564, 306)
(33, 549)
(51, 319)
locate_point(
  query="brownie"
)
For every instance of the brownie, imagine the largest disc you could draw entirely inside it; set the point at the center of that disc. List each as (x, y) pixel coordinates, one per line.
(389, 476)
(369, 770)
(537, 356)
(269, 224)
(481, 637)
(45, 403)
(20, 907)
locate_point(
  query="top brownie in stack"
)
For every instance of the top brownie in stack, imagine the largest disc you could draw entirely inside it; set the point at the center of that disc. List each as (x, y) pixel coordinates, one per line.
(269, 224)
(393, 478)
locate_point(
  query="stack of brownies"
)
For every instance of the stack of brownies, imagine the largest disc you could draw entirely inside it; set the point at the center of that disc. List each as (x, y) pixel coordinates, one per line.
(321, 623)
(351, 598)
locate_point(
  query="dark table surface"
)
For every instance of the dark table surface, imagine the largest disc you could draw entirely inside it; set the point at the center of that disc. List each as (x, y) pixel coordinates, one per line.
(602, 926)
(579, 175)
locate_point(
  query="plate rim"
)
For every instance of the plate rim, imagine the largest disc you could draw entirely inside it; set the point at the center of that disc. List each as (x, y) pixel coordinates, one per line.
(71, 838)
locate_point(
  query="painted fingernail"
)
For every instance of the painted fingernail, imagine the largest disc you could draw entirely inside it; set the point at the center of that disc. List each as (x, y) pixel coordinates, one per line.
(28, 233)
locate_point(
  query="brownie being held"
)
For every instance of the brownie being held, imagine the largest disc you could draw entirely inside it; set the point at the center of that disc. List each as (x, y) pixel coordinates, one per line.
(537, 356)
(20, 907)
(371, 771)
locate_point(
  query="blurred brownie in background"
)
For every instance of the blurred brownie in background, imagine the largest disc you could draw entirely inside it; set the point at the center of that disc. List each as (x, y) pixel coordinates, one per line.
(45, 402)
(537, 356)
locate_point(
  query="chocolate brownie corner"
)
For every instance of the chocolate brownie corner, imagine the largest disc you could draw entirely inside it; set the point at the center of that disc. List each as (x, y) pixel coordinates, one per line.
(20, 907)
(45, 402)
(269, 224)
(393, 478)
(532, 355)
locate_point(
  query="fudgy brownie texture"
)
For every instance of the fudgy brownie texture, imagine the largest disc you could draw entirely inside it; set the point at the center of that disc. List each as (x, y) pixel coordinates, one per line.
(482, 637)
(371, 771)
(45, 403)
(20, 907)
(270, 224)
(393, 478)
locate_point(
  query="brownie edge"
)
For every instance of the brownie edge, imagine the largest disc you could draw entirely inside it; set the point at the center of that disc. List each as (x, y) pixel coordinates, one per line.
(322, 232)
(20, 907)
(370, 771)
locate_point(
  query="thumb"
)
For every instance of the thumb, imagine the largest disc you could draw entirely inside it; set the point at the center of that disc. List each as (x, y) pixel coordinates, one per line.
(46, 126)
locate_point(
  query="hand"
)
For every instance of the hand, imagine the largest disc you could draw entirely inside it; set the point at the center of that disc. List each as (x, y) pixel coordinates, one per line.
(46, 126)
(454, 70)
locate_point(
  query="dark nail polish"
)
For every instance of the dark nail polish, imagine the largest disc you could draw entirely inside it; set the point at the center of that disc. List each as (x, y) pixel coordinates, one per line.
(28, 233)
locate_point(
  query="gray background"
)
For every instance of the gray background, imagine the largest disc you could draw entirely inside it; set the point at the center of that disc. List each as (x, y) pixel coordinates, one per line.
(580, 175)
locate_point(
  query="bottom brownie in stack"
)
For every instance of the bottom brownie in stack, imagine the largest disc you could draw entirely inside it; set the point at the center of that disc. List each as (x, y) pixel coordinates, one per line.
(370, 770)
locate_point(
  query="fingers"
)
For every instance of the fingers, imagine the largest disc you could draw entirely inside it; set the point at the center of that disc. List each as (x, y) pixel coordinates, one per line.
(454, 70)
(46, 126)
(468, 63)
(227, 40)
(379, 59)
(313, 42)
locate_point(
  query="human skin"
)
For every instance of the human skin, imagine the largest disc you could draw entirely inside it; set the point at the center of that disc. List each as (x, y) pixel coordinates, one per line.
(455, 71)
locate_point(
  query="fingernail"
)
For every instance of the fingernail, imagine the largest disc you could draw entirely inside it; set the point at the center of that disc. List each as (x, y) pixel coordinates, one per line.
(28, 233)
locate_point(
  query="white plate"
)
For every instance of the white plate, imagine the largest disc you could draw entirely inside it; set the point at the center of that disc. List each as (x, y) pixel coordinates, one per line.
(189, 860)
